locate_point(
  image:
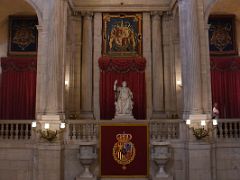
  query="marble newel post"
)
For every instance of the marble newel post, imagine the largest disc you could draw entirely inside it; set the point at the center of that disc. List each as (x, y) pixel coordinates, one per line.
(199, 162)
(87, 66)
(157, 57)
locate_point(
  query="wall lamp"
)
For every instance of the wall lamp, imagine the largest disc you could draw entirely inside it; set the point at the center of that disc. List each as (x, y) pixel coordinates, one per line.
(203, 130)
(179, 83)
(46, 132)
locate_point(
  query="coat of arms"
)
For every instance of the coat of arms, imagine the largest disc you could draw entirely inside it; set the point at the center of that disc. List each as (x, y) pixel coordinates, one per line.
(122, 34)
(124, 151)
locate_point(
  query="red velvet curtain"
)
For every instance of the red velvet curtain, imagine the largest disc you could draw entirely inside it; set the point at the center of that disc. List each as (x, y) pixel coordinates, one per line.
(130, 70)
(18, 88)
(225, 80)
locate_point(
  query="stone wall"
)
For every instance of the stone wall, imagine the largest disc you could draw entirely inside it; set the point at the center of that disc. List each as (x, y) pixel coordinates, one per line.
(16, 161)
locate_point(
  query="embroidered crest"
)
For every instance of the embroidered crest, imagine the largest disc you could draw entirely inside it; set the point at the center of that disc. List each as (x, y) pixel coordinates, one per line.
(124, 151)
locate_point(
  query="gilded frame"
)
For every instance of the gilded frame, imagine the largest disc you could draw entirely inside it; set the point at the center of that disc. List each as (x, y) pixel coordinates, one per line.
(122, 34)
(147, 149)
(222, 37)
(23, 35)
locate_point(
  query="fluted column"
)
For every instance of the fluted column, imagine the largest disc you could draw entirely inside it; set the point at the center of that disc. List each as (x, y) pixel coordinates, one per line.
(189, 43)
(96, 54)
(51, 56)
(157, 67)
(41, 74)
(169, 65)
(86, 80)
(148, 55)
(73, 66)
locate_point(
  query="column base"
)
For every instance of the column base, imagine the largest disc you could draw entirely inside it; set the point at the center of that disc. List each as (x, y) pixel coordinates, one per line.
(124, 178)
(85, 178)
(124, 117)
(86, 115)
(163, 178)
(159, 115)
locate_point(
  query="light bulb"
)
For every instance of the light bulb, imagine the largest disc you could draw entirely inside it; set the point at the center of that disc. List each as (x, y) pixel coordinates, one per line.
(62, 125)
(214, 122)
(203, 123)
(46, 126)
(34, 124)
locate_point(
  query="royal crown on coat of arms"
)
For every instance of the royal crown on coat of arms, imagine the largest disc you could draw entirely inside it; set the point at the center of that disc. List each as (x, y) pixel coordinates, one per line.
(124, 151)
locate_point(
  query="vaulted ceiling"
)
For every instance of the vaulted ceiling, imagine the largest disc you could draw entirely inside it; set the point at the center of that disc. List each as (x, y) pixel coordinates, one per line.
(14, 7)
(227, 7)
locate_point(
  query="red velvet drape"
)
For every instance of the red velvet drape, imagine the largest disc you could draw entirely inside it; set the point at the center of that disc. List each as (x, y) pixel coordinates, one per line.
(130, 70)
(225, 80)
(18, 88)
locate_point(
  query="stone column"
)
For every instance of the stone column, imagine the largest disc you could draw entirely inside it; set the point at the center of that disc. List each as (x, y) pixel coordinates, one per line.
(196, 150)
(41, 74)
(157, 67)
(97, 46)
(73, 66)
(190, 55)
(50, 95)
(169, 65)
(87, 65)
(147, 55)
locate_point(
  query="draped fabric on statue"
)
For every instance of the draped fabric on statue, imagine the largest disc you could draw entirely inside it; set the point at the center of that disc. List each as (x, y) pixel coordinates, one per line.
(18, 88)
(225, 80)
(130, 70)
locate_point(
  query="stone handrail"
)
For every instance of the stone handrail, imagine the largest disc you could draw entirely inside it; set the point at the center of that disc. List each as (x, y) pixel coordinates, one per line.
(165, 129)
(228, 129)
(15, 129)
(81, 130)
(84, 131)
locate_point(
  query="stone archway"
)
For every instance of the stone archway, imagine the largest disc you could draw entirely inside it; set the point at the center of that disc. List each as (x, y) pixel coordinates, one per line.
(38, 9)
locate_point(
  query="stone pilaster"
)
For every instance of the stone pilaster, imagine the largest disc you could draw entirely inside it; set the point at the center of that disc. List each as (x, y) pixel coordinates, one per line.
(148, 56)
(96, 55)
(50, 89)
(56, 57)
(190, 55)
(73, 66)
(41, 68)
(169, 64)
(87, 64)
(157, 65)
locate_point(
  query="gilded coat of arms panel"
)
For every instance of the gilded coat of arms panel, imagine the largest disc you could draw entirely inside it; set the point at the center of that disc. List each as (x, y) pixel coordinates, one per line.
(122, 35)
(22, 35)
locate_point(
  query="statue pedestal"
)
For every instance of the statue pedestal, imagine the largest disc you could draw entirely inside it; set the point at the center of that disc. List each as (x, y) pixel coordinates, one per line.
(124, 117)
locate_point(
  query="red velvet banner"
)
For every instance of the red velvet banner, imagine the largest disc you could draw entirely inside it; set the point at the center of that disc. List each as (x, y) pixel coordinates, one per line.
(115, 147)
(225, 81)
(18, 88)
(130, 70)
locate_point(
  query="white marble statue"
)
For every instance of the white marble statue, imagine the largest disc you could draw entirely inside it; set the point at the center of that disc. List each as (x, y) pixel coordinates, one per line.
(123, 99)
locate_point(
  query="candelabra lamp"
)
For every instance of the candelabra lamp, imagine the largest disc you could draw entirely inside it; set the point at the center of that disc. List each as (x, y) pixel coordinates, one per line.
(47, 133)
(202, 130)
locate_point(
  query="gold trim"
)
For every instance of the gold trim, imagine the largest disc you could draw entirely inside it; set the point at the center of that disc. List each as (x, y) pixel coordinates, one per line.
(100, 150)
(106, 18)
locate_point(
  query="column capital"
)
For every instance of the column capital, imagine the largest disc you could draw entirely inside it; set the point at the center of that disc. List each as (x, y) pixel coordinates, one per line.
(39, 28)
(168, 15)
(87, 14)
(207, 26)
(156, 15)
